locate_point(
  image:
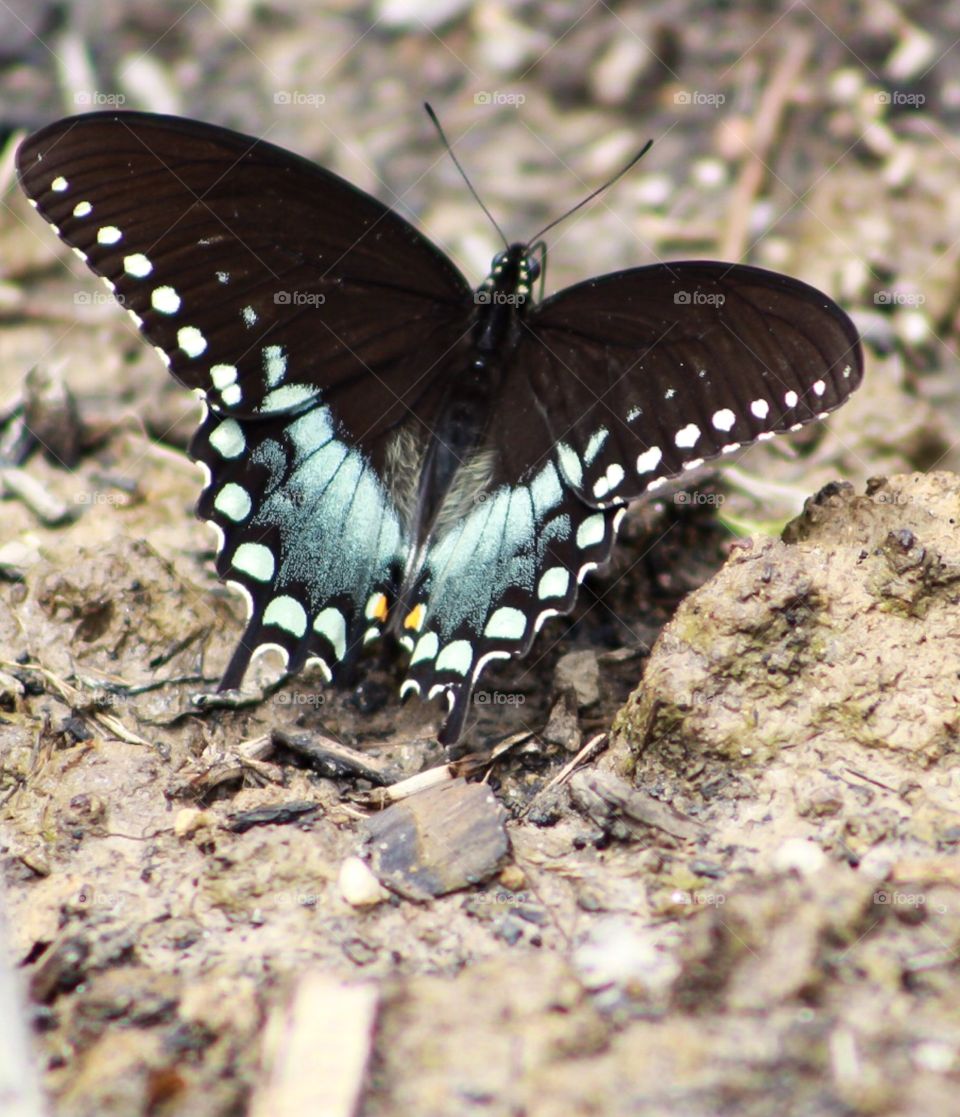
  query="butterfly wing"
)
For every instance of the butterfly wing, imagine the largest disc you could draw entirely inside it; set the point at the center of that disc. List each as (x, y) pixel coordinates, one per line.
(668, 366)
(618, 384)
(288, 298)
(495, 575)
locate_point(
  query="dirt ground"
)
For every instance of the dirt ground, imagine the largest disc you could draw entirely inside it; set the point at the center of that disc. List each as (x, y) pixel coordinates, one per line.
(744, 898)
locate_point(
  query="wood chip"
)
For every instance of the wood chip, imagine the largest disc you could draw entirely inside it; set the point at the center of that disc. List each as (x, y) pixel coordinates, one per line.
(442, 839)
(316, 1050)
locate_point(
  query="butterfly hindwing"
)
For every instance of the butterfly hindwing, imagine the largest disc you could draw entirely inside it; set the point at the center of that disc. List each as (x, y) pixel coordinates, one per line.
(689, 361)
(308, 531)
(491, 580)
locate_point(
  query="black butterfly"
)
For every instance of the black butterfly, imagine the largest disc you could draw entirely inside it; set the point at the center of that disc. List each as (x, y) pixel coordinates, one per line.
(388, 448)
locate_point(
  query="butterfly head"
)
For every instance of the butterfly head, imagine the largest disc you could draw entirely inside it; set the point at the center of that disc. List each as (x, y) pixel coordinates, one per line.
(512, 275)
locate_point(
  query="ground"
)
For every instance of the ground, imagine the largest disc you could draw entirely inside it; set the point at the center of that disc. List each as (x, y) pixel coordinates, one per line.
(745, 898)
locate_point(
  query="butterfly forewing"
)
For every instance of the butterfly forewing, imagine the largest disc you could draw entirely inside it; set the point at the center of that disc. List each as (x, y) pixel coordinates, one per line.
(668, 366)
(262, 279)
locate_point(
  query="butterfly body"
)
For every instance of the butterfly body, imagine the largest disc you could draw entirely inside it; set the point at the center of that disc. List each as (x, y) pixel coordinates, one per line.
(389, 449)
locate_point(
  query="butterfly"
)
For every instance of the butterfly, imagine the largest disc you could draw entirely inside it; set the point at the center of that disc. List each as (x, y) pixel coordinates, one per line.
(387, 448)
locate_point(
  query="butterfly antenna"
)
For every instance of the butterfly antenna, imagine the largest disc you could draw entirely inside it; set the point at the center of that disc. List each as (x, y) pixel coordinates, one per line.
(599, 190)
(463, 173)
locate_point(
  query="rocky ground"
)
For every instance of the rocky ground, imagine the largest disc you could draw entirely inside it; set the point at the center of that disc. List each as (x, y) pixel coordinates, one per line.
(745, 899)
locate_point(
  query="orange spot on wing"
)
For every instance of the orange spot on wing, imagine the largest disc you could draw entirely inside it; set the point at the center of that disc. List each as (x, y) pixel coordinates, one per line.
(379, 608)
(414, 619)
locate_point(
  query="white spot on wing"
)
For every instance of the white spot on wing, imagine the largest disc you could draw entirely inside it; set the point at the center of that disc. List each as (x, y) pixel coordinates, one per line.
(274, 364)
(819, 387)
(332, 624)
(232, 395)
(82, 209)
(591, 531)
(227, 439)
(595, 445)
(553, 583)
(323, 665)
(456, 657)
(790, 398)
(254, 559)
(570, 464)
(426, 648)
(137, 265)
(109, 234)
(286, 613)
(506, 623)
(649, 459)
(165, 300)
(723, 419)
(223, 375)
(760, 409)
(191, 341)
(288, 397)
(233, 501)
(497, 653)
(59, 184)
(249, 316)
(609, 481)
(687, 436)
